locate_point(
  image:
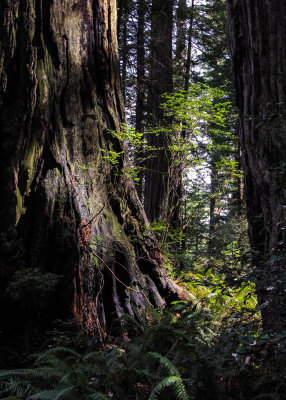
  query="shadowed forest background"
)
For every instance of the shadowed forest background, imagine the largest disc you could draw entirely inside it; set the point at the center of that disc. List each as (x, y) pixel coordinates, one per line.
(142, 199)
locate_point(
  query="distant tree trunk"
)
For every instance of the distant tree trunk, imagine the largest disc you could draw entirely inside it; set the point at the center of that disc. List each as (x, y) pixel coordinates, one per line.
(157, 183)
(183, 58)
(214, 208)
(59, 97)
(122, 38)
(190, 45)
(258, 46)
(238, 191)
(180, 59)
(141, 86)
(179, 78)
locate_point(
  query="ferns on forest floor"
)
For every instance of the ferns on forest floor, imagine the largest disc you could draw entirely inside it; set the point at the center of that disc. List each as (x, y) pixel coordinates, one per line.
(181, 354)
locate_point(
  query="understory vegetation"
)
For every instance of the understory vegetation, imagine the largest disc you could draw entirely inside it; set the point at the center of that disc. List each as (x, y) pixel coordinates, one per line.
(212, 347)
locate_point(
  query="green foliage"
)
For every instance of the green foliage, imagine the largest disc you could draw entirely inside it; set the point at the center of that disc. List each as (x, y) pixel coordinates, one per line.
(173, 380)
(188, 352)
(191, 111)
(195, 115)
(135, 145)
(61, 373)
(111, 157)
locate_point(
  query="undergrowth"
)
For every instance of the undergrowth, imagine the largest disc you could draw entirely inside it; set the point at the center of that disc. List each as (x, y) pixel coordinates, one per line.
(212, 348)
(184, 353)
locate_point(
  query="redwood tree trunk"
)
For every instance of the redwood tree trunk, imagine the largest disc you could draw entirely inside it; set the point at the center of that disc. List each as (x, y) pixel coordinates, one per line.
(190, 47)
(140, 84)
(59, 97)
(258, 45)
(157, 182)
(122, 38)
(180, 59)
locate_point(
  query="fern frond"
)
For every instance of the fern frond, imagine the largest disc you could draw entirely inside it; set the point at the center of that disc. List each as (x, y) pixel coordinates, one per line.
(10, 398)
(175, 379)
(166, 382)
(28, 375)
(166, 363)
(98, 396)
(267, 396)
(44, 395)
(55, 351)
(52, 394)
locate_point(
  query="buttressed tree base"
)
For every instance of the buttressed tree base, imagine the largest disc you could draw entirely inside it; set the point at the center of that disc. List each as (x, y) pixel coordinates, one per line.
(64, 209)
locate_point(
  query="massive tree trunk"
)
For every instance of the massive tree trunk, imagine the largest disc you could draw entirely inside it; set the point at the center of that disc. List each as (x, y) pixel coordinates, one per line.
(59, 97)
(258, 45)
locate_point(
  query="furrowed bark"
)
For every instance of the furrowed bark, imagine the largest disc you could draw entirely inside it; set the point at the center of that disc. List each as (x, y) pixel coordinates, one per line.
(258, 46)
(158, 183)
(60, 97)
(141, 84)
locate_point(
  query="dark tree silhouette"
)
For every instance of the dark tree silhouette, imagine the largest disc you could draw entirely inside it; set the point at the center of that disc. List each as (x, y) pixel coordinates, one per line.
(258, 46)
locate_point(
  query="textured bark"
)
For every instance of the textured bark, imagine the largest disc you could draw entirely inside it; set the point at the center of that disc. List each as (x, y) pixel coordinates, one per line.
(181, 43)
(122, 38)
(258, 46)
(190, 46)
(141, 86)
(59, 97)
(237, 201)
(157, 183)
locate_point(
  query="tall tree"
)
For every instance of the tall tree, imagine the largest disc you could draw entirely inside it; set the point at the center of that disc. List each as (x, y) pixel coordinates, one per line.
(157, 182)
(258, 42)
(123, 13)
(180, 59)
(191, 12)
(140, 80)
(59, 97)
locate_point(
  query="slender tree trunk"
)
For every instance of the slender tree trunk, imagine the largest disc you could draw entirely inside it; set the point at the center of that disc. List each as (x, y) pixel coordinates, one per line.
(59, 97)
(180, 58)
(140, 87)
(214, 209)
(184, 62)
(258, 46)
(179, 62)
(122, 38)
(190, 45)
(157, 184)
